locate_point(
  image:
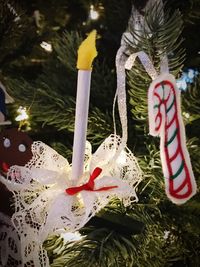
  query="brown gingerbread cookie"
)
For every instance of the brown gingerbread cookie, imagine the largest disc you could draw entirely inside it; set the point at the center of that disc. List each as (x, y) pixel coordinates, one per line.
(15, 149)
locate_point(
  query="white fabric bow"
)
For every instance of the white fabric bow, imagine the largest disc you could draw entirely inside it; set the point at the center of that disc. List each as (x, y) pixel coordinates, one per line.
(42, 205)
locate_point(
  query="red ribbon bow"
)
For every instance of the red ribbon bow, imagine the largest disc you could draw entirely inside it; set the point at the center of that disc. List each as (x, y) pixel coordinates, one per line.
(89, 186)
(5, 167)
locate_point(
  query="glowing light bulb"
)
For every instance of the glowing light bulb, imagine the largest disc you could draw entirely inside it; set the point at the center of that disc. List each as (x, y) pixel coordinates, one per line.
(46, 46)
(186, 115)
(71, 236)
(22, 114)
(166, 234)
(93, 13)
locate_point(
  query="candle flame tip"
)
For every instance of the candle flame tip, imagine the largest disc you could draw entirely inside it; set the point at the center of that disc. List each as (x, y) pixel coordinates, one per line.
(87, 52)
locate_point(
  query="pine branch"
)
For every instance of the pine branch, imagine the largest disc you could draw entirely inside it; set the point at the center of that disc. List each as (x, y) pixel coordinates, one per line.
(191, 102)
(66, 47)
(163, 37)
(14, 28)
(51, 98)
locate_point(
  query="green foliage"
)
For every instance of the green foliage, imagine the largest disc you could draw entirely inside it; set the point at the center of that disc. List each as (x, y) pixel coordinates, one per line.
(50, 99)
(163, 243)
(192, 95)
(100, 248)
(103, 247)
(190, 10)
(11, 28)
(117, 9)
(19, 40)
(66, 49)
(162, 37)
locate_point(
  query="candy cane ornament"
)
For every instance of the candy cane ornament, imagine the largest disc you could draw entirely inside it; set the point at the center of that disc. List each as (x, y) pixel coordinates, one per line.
(165, 120)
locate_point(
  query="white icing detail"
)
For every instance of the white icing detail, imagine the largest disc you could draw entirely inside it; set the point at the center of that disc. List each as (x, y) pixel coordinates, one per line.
(22, 148)
(7, 142)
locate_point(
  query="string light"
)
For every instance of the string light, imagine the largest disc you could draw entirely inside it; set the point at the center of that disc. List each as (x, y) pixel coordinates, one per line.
(46, 46)
(22, 114)
(94, 15)
(187, 77)
(166, 234)
(68, 237)
(186, 115)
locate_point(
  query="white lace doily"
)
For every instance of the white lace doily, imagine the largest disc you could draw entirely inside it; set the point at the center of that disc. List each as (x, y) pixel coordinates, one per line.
(43, 207)
(10, 252)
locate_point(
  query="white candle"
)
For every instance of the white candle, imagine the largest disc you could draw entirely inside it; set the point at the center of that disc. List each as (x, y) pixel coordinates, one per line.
(86, 54)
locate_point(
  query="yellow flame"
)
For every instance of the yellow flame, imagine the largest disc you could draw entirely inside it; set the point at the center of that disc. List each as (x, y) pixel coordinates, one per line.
(87, 52)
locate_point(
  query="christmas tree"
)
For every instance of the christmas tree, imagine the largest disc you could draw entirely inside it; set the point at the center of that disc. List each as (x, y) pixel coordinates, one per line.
(39, 44)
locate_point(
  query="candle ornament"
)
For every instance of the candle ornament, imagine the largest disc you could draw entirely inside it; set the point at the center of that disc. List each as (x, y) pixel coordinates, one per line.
(51, 196)
(47, 203)
(86, 54)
